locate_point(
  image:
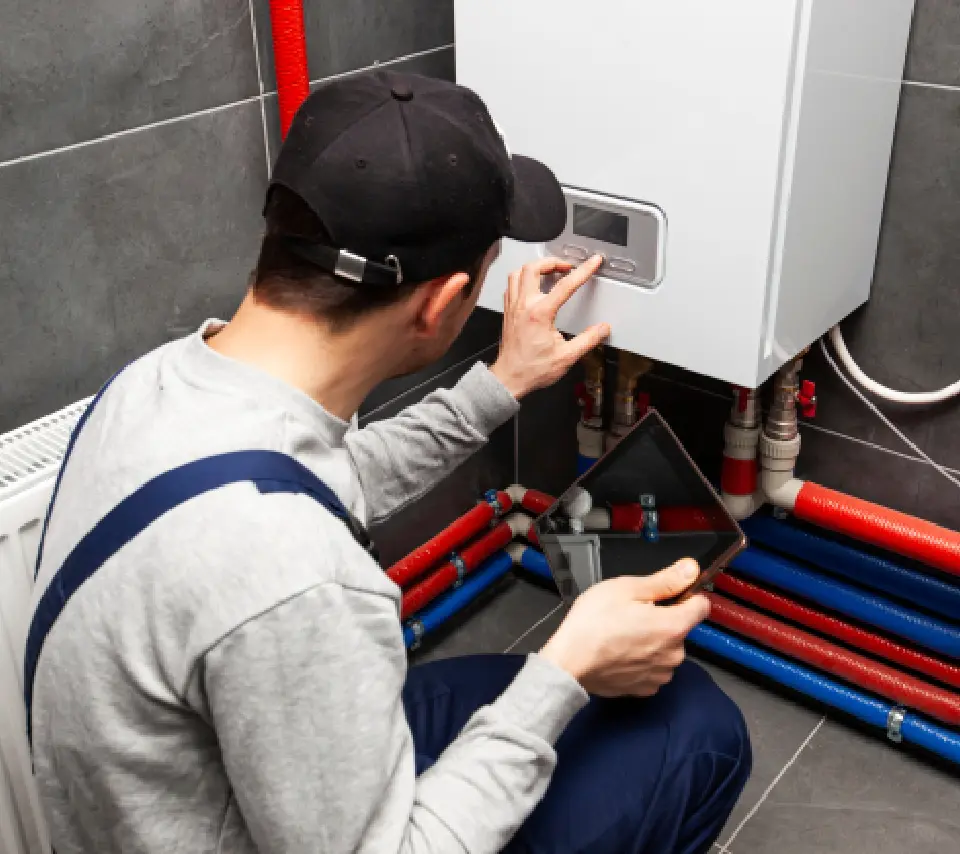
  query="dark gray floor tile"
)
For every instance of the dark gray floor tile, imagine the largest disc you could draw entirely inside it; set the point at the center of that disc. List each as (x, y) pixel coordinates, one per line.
(856, 793)
(71, 72)
(934, 52)
(440, 64)
(345, 36)
(495, 624)
(535, 636)
(110, 250)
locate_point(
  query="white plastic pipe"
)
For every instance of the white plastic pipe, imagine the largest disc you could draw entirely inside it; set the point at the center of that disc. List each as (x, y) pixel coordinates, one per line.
(910, 398)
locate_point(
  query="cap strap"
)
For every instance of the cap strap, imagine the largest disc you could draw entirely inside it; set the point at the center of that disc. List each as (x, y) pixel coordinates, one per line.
(347, 265)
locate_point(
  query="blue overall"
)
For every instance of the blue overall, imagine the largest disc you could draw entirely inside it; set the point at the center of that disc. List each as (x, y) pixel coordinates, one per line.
(660, 775)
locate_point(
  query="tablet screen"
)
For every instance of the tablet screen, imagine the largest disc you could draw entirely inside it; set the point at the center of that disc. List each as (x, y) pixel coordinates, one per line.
(641, 508)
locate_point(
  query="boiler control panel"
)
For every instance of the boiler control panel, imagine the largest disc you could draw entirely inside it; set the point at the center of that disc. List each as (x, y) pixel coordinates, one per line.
(630, 235)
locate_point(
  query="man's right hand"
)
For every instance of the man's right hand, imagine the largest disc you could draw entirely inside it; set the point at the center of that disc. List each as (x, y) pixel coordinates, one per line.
(616, 641)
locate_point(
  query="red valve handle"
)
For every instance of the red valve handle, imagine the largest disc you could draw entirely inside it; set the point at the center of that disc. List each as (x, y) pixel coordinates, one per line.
(807, 399)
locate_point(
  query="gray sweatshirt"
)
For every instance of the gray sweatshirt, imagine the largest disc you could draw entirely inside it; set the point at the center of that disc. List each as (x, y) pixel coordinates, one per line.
(231, 680)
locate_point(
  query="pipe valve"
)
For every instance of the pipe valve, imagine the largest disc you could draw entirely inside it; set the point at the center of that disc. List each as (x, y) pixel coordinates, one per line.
(807, 399)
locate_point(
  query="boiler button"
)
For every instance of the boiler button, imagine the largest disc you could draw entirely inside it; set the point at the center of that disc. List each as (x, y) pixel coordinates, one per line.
(575, 253)
(621, 265)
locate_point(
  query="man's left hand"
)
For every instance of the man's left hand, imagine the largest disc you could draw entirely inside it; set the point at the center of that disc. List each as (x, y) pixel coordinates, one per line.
(533, 352)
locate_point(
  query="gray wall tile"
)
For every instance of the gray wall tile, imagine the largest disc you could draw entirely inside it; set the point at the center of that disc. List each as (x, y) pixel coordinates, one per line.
(112, 249)
(906, 333)
(934, 54)
(71, 72)
(345, 36)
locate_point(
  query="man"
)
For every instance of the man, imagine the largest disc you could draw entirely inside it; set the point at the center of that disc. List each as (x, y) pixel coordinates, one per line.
(216, 662)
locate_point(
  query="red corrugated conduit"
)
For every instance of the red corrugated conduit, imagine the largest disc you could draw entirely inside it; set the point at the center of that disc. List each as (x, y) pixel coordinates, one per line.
(422, 594)
(879, 526)
(842, 631)
(857, 669)
(465, 528)
(290, 58)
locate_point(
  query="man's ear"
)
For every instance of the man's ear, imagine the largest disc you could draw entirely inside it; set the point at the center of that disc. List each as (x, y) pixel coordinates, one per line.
(438, 296)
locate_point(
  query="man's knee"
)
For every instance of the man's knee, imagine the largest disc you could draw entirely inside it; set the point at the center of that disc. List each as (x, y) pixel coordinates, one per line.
(705, 720)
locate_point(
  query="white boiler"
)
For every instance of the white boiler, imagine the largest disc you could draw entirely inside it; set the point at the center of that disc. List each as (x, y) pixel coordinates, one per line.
(728, 158)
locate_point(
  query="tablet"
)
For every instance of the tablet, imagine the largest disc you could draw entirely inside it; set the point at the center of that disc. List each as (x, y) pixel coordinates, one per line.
(643, 506)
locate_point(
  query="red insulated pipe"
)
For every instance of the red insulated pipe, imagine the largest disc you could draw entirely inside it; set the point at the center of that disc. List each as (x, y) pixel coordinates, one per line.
(536, 502)
(861, 671)
(880, 526)
(289, 58)
(852, 635)
(422, 594)
(460, 531)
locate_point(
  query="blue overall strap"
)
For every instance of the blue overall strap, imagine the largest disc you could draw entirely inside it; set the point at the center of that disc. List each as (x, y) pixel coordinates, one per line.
(270, 471)
(63, 464)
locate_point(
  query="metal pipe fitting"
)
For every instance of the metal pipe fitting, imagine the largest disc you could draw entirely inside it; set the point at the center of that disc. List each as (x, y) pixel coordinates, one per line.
(782, 420)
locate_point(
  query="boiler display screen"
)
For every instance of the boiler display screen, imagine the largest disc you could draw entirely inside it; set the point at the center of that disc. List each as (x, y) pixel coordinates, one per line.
(600, 225)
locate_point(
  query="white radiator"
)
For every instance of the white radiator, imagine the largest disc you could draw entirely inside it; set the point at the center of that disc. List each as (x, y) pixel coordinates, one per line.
(29, 458)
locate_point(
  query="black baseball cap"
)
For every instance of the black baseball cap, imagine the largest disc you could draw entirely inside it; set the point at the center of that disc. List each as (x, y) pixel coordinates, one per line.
(411, 179)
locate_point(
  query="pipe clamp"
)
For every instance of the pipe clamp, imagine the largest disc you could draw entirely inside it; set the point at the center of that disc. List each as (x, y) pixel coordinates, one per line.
(895, 724)
(491, 498)
(461, 566)
(419, 630)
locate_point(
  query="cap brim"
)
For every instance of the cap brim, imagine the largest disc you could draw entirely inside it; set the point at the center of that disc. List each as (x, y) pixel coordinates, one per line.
(539, 210)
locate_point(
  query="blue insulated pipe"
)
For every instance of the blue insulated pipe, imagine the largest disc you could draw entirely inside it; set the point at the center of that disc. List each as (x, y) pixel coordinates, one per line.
(536, 564)
(437, 613)
(866, 607)
(870, 710)
(867, 570)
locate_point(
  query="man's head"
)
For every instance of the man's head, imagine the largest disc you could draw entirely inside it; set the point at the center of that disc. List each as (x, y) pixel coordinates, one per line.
(388, 200)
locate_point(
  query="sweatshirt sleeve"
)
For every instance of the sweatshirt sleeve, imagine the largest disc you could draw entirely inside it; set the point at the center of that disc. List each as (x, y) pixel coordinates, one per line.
(306, 702)
(401, 458)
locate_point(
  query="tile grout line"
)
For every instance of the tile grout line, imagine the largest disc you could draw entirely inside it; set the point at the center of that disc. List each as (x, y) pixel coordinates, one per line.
(920, 84)
(427, 382)
(532, 628)
(207, 111)
(419, 54)
(263, 108)
(766, 793)
(110, 137)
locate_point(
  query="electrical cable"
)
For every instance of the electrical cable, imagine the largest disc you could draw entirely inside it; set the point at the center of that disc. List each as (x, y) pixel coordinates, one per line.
(909, 398)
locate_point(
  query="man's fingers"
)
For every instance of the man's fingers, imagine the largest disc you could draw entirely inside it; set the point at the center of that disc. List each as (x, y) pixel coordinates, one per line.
(666, 584)
(532, 273)
(691, 613)
(513, 288)
(578, 347)
(572, 282)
